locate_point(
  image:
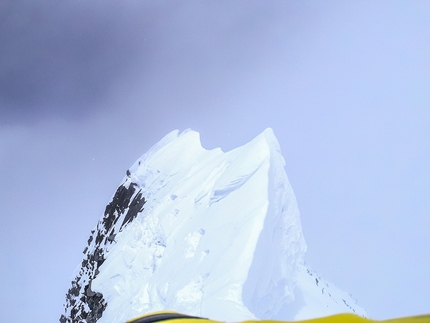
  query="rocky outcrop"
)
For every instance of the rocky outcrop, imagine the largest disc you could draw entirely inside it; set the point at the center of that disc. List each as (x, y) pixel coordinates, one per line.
(82, 303)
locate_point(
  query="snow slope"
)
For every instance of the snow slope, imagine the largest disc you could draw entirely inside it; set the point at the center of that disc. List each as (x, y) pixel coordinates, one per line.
(202, 232)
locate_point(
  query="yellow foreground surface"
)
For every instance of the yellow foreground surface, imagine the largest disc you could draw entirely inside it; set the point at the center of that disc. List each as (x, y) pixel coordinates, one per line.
(172, 317)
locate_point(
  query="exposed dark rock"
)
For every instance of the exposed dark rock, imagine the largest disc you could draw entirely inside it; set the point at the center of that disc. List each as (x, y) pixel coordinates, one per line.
(99, 238)
(124, 207)
(74, 291)
(136, 206)
(88, 291)
(111, 238)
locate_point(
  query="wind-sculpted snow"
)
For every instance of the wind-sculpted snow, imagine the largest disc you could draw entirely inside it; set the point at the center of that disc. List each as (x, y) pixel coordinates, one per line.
(202, 232)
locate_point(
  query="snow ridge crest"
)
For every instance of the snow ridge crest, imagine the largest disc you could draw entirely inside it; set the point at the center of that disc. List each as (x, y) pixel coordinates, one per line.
(202, 232)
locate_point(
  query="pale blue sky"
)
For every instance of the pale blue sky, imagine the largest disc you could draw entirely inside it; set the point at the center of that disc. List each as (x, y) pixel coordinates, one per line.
(87, 87)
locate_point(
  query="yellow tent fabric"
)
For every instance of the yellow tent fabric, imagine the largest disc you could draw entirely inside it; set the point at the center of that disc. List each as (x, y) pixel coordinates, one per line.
(169, 317)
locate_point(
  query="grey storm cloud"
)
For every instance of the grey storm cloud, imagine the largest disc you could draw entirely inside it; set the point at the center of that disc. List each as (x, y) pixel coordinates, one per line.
(67, 58)
(56, 55)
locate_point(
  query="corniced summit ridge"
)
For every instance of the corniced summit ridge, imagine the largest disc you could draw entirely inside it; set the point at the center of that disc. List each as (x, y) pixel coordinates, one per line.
(204, 233)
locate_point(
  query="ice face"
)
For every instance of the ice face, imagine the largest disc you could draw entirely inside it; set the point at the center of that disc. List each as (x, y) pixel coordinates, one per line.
(202, 232)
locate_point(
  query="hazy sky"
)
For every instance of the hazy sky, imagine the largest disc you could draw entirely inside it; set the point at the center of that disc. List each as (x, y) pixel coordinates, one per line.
(87, 87)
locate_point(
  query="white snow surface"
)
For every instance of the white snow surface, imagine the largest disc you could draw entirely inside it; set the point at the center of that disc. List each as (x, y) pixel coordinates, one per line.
(219, 237)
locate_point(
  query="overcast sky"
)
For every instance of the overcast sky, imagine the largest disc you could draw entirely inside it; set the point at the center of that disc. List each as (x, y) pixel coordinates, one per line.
(87, 87)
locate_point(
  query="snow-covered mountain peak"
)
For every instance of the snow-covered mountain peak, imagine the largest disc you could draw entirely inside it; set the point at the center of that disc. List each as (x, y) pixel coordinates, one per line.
(203, 232)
